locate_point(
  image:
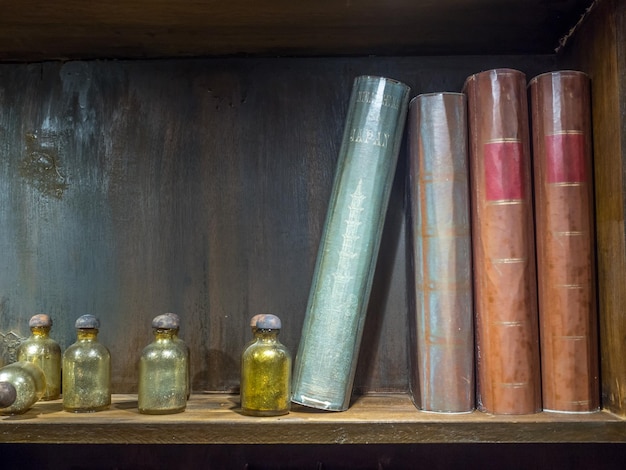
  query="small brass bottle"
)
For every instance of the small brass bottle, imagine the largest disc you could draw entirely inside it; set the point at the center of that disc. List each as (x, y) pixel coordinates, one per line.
(86, 370)
(163, 370)
(21, 385)
(266, 372)
(44, 352)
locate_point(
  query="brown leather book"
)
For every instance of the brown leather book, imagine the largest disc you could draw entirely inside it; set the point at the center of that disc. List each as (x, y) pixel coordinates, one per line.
(561, 127)
(441, 320)
(505, 292)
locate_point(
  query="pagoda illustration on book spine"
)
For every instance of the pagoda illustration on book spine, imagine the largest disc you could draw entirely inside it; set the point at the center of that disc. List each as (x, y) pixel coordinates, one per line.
(340, 299)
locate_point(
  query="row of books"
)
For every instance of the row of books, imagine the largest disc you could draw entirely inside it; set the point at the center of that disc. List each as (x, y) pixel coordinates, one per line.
(502, 300)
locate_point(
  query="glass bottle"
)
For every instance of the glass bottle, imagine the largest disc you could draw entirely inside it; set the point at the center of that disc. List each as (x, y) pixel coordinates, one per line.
(21, 385)
(45, 352)
(266, 372)
(86, 370)
(163, 370)
(183, 345)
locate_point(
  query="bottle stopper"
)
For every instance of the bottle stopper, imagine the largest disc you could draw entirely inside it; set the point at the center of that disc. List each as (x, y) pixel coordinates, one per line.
(267, 321)
(167, 321)
(254, 319)
(41, 320)
(87, 322)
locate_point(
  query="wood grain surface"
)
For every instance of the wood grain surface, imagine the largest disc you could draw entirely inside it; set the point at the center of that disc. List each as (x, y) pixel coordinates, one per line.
(38, 30)
(133, 188)
(380, 419)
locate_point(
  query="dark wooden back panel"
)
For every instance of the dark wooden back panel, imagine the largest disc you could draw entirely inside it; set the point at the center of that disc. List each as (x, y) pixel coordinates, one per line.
(128, 189)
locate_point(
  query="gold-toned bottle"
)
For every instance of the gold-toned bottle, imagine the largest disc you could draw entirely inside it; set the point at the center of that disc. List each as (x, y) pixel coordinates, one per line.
(86, 370)
(266, 371)
(21, 385)
(183, 345)
(163, 370)
(44, 352)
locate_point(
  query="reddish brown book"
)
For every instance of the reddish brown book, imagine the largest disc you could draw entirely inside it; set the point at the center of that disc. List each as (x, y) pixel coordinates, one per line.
(505, 292)
(561, 125)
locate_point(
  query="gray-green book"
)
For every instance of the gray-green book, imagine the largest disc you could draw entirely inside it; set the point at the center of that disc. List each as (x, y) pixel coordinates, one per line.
(333, 326)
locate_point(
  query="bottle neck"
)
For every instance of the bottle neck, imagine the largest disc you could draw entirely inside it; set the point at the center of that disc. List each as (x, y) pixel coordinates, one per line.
(268, 336)
(40, 331)
(164, 333)
(87, 334)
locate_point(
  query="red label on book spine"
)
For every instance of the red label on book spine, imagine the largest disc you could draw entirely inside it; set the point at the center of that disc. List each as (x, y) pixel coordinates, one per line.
(565, 158)
(504, 173)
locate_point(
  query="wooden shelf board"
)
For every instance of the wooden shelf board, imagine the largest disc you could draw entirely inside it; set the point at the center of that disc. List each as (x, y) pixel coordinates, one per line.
(384, 419)
(70, 29)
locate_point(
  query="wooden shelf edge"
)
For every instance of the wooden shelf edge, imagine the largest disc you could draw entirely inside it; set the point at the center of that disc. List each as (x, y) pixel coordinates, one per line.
(386, 419)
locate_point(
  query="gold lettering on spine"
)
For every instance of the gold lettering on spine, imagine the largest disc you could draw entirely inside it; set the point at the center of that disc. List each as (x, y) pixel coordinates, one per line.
(370, 137)
(389, 101)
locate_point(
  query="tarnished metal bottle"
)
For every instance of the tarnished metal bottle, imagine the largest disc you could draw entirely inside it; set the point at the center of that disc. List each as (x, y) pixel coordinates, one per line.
(163, 370)
(21, 385)
(266, 371)
(86, 370)
(44, 352)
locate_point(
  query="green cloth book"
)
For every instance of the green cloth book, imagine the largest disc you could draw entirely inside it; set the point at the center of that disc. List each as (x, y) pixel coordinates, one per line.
(333, 325)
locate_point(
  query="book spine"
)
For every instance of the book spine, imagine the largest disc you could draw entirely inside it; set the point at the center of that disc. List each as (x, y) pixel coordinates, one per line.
(326, 360)
(441, 326)
(561, 125)
(506, 318)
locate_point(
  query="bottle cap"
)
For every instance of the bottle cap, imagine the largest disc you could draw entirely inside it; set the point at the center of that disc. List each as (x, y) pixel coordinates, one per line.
(41, 320)
(8, 394)
(166, 321)
(87, 322)
(254, 319)
(267, 321)
(174, 316)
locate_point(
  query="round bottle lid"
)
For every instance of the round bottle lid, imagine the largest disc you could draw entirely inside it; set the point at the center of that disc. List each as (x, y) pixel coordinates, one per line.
(41, 320)
(254, 319)
(87, 322)
(167, 321)
(174, 316)
(8, 394)
(267, 321)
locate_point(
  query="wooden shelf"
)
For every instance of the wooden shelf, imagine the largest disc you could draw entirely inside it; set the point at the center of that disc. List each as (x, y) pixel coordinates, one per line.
(38, 30)
(379, 419)
(201, 186)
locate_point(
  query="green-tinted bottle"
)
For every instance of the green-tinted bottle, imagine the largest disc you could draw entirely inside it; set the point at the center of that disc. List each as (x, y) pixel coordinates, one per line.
(86, 370)
(163, 370)
(266, 372)
(44, 352)
(21, 385)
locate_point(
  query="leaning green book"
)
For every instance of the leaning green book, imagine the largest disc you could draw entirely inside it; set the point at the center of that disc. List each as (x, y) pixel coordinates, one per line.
(326, 360)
